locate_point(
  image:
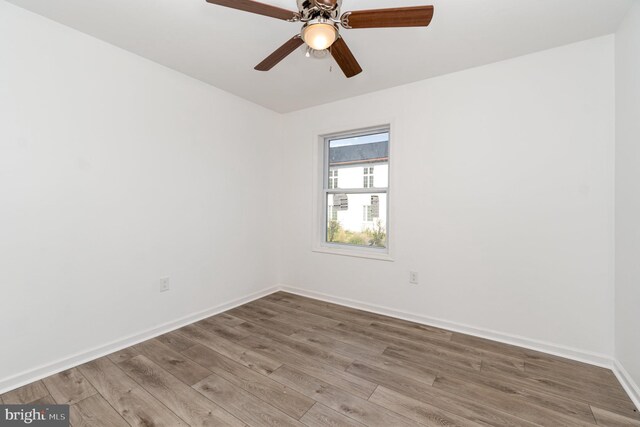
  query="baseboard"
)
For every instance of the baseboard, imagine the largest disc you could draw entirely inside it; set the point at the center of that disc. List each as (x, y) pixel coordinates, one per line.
(26, 377)
(44, 371)
(550, 348)
(629, 385)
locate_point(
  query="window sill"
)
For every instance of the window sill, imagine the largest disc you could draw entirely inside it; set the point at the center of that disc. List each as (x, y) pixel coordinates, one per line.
(331, 250)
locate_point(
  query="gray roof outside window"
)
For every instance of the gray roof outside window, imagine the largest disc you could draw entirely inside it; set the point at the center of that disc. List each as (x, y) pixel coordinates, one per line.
(361, 153)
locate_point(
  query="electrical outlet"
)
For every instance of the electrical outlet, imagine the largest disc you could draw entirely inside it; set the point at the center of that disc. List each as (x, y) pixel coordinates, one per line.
(413, 277)
(164, 284)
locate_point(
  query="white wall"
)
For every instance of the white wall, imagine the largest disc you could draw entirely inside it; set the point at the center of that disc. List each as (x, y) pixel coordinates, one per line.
(502, 198)
(114, 172)
(628, 195)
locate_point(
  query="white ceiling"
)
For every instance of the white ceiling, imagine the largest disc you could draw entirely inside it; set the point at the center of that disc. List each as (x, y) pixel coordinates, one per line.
(221, 46)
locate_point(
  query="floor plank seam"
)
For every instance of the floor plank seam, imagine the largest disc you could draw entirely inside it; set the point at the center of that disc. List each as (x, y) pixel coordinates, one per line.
(112, 407)
(47, 388)
(373, 392)
(305, 412)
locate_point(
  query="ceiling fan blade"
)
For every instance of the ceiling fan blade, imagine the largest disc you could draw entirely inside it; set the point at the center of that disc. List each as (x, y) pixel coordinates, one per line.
(280, 53)
(416, 16)
(345, 59)
(256, 7)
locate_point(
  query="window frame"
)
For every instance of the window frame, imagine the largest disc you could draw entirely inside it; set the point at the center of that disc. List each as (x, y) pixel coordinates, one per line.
(367, 177)
(322, 187)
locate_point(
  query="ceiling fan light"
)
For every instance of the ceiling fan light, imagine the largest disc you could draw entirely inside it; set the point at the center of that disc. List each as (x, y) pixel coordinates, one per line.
(319, 36)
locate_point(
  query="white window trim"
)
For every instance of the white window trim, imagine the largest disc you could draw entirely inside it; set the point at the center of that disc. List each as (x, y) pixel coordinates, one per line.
(320, 245)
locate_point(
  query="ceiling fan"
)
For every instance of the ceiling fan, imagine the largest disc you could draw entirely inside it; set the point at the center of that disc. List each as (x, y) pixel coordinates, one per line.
(320, 20)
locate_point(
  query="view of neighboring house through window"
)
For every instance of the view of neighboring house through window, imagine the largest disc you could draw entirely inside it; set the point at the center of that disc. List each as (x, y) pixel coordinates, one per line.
(333, 179)
(368, 177)
(367, 214)
(356, 205)
(334, 213)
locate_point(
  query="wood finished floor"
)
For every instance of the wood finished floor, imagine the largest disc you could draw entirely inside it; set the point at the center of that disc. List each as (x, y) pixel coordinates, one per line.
(286, 360)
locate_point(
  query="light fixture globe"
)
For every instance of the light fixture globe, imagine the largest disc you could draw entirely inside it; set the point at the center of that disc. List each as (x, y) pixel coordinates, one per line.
(319, 35)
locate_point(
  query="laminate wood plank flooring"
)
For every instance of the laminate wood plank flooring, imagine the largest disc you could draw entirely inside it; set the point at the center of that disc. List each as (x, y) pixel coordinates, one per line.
(451, 402)
(176, 341)
(282, 397)
(288, 360)
(133, 402)
(345, 403)
(216, 326)
(605, 417)
(420, 412)
(94, 411)
(244, 405)
(230, 349)
(25, 394)
(123, 355)
(321, 416)
(69, 387)
(172, 361)
(47, 400)
(337, 377)
(181, 399)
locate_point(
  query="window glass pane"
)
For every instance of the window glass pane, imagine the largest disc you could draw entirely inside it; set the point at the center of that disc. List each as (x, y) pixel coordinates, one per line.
(357, 219)
(354, 159)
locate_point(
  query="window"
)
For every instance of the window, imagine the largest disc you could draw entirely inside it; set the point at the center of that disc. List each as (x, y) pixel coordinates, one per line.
(356, 209)
(367, 215)
(368, 177)
(333, 179)
(334, 213)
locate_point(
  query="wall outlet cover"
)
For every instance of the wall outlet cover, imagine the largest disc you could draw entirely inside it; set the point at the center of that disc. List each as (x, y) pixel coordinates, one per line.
(164, 284)
(413, 277)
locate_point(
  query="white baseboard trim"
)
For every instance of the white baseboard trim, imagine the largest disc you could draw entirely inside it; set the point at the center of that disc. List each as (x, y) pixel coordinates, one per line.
(26, 377)
(629, 385)
(545, 347)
